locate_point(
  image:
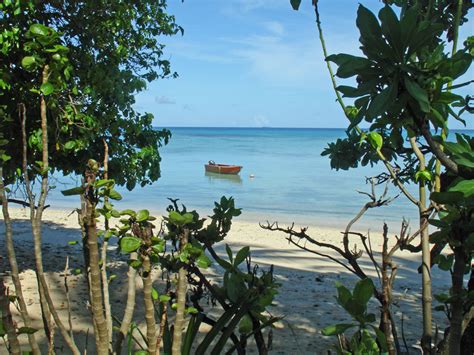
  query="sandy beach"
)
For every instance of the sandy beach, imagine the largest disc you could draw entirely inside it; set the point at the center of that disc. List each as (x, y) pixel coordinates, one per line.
(306, 297)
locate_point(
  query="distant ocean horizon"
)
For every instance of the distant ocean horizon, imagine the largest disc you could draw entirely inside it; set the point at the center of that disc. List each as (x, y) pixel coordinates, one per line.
(284, 178)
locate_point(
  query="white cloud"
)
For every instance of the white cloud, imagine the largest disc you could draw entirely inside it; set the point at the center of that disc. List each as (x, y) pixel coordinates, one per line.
(261, 121)
(274, 27)
(164, 100)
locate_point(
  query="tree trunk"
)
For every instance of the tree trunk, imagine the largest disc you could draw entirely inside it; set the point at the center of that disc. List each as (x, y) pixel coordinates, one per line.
(425, 254)
(129, 307)
(36, 218)
(101, 338)
(14, 266)
(7, 321)
(105, 282)
(149, 307)
(386, 295)
(181, 301)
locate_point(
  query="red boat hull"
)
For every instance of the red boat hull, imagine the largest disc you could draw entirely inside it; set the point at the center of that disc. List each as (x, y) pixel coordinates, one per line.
(223, 169)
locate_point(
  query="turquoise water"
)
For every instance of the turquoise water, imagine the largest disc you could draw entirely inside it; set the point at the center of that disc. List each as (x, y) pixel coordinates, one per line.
(292, 181)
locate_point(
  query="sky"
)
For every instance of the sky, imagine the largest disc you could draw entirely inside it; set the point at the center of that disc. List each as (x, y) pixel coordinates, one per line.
(254, 63)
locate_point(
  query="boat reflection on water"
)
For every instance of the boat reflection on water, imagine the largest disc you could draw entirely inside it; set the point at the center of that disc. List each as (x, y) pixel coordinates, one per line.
(215, 177)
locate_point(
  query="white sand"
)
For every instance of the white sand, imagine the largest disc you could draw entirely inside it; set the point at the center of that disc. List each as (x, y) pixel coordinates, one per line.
(305, 299)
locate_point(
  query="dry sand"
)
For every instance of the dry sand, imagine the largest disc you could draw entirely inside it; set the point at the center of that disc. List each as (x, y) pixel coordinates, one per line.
(306, 298)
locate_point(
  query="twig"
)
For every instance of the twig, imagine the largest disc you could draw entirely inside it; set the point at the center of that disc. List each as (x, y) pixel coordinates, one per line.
(68, 304)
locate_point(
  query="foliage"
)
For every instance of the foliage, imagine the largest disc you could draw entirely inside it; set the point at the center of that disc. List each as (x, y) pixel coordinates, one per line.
(355, 304)
(244, 295)
(454, 222)
(110, 51)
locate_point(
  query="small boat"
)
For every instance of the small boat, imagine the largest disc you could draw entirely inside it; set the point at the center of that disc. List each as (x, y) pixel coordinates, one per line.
(212, 167)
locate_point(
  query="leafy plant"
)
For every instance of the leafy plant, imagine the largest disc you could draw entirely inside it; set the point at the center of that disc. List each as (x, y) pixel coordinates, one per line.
(368, 338)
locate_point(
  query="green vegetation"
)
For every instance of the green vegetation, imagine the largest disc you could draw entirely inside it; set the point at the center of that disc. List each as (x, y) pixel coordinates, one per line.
(67, 89)
(406, 82)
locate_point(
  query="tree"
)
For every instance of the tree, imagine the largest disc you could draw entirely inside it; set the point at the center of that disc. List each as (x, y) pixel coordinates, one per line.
(113, 51)
(404, 90)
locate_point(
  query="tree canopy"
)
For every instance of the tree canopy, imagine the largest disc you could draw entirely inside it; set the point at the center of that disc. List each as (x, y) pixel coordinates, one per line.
(99, 54)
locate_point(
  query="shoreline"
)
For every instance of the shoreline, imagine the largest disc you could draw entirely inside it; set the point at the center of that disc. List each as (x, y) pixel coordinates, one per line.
(305, 299)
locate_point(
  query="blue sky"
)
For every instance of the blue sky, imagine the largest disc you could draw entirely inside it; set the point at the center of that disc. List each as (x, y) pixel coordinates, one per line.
(253, 63)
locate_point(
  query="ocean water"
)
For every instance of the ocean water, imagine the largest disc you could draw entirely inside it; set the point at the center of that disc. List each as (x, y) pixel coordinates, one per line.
(292, 181)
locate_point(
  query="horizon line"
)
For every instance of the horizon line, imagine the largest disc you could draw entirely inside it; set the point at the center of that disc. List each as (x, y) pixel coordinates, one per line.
(279, 127)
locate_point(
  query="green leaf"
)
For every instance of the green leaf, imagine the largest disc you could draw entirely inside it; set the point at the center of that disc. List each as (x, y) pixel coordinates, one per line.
(343, 294)
(164, 298)
(295, 4)
(382, 101)
(192, 310)
(114, 195)
(142, 215)
(446, 197)
(28, 62)
(128, 212)
(375, 140)
(74, 191)
(363, 290)
(336, 329)
(466, 187)
(423, 175)
(130, 244)
(245, 325)
(391, 29)
(203, 261)
(241, 255)
(47, 89)
(40, 30)
(419, 94)
(70, 145)
(72, 242)
(104, 182)
(154, 294)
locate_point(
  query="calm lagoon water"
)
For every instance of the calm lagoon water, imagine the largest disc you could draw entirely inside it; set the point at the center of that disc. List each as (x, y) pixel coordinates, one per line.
(292, 181)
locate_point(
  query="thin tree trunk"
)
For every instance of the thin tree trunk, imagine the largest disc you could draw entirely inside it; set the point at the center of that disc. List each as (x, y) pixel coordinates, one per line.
(36, 218)
(14, 265)
(386, 295)
(425, 254)
(101, 337)
(105, 282)
(181, 301)
(7, 321)
(129, 307)
(45, 313)
(149, 307)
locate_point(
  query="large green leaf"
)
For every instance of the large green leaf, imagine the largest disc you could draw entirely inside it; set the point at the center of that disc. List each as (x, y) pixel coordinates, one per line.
(466, 187)
(28, 62)
(74, 191)
(343, 294)
(418, 93)
(130, 244)
(382, 101)
(391, 29)
(363, 290)
(38, 29)
(47, 89)
(375, 140)
(114, 195)
(446, 197)
(295, 4)
(241, 255)
(142, 215)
